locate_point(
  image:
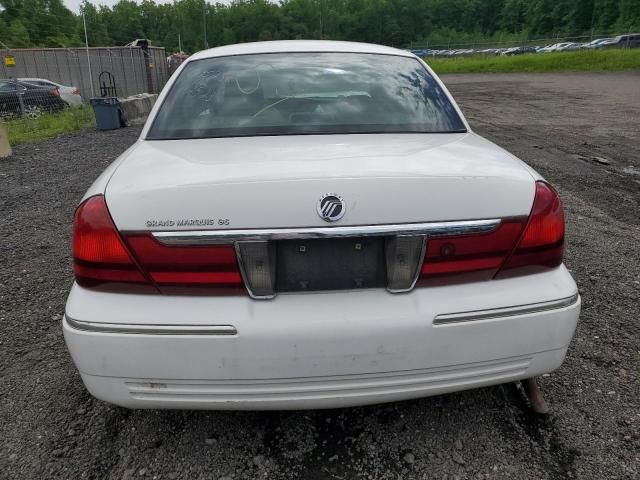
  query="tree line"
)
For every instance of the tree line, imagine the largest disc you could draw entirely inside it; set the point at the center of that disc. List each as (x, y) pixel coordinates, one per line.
(196, 24)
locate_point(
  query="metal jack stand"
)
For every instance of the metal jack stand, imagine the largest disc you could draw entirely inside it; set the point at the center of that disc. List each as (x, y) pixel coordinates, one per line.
(535, 396)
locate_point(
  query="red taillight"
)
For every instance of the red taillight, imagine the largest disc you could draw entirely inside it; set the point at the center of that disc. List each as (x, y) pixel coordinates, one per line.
(211, 268)
(542, 244)
(75, 91)
(99, 254)
(516, 247)
(139, 263)
(55, 92)
(470, 257)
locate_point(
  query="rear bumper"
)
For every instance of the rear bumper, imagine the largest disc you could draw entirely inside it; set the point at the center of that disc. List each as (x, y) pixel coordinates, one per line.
(71, 99)
(318, 350)
(317, 392)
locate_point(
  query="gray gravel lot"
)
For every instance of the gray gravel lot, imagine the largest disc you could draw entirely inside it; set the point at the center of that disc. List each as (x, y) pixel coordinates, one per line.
(50, 427)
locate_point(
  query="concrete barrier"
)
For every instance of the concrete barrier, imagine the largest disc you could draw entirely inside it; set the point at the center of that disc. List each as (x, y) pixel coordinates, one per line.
(137, 107)
(5, 148)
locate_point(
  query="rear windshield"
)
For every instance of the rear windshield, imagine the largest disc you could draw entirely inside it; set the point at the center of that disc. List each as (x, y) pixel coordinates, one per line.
(303, 93)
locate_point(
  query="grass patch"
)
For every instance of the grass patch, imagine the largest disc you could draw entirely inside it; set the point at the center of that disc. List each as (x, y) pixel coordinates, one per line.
(26, 130)
(578, 61)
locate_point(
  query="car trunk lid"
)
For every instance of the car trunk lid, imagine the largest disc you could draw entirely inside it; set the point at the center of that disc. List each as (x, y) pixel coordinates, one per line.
(277, 182)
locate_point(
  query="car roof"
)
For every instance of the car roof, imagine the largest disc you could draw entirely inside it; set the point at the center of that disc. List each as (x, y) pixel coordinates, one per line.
(282, 46)
(13, 80)
(36, 79)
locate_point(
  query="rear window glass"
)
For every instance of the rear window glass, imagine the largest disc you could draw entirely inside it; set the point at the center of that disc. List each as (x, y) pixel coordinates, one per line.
(299, 93)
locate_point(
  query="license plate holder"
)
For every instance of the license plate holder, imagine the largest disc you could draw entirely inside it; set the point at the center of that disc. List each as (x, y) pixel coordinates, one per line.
(330, 264)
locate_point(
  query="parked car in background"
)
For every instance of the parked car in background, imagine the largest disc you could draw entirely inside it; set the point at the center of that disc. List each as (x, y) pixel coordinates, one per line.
(422, 53)
(560, 47)
(70, 95)
(597, 43)
(546, 48)
(22, 98)
(566, 47)
(313, 224)
(488, 51)
(631, 40)
(518, 50)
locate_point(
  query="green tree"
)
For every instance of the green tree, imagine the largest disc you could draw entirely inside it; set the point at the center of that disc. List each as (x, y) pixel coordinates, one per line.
(3, 30)
(97, 33)
(513, 15)
(579, 16)
(18, 35)
(124, 22)
(395, 22)
(605, 14)
(629, 19)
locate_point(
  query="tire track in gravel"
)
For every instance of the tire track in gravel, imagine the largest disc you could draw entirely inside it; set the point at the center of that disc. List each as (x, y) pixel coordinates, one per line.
(543, 432)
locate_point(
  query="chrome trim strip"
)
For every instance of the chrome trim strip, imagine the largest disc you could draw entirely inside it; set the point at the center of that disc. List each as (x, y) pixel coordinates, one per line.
(448, 318)
(155, 329)
(432, 229)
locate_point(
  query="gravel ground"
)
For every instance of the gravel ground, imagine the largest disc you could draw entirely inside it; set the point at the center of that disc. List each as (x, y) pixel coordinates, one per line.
(582, 131)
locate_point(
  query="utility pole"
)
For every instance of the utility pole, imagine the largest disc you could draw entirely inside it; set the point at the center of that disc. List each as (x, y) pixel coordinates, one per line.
(321, 18)
(86, 43)
(144, 46)
(593, 18)
(204, 23)
(179, 43)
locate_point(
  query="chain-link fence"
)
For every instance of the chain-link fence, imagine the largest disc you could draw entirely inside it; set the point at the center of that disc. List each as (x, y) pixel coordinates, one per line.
(29, 100)
(96, 71)
(616, 40)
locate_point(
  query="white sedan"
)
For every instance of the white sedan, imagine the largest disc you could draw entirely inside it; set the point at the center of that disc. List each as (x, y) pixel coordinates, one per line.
(313, 224)
(70, 95)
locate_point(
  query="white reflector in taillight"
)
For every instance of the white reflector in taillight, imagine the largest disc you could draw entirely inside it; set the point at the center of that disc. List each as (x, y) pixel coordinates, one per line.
(258, 267)
(402, 257)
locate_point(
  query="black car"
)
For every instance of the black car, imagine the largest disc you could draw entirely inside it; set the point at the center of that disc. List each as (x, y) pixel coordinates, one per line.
(631, 40)
(22, 98)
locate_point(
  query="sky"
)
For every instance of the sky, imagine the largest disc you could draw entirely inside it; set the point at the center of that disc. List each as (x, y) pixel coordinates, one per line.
(74, 5)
